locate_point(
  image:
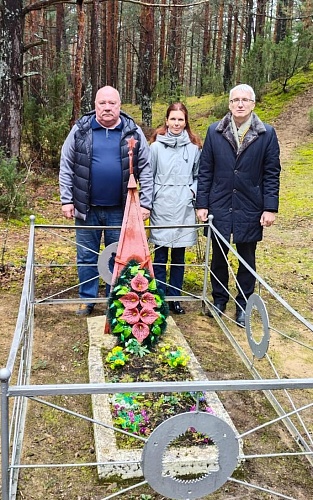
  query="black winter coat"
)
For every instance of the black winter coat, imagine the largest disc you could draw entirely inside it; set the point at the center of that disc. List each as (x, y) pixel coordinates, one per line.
(237, 187)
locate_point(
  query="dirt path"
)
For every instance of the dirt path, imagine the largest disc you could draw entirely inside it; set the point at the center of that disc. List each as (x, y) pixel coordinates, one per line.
(292, 126)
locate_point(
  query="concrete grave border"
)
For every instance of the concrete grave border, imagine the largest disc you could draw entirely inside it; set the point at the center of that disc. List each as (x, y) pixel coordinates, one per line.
(126, 464)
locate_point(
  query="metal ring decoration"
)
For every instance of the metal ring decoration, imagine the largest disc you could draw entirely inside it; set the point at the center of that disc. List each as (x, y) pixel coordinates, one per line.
(103, 262)
(259, 349)
(221, 434)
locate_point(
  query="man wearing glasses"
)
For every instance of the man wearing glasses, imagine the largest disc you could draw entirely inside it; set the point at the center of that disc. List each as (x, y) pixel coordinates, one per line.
(238, 183)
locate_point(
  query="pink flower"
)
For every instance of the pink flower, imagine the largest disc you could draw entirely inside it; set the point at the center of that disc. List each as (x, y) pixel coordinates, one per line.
(148, 315)
(139, 283)
(130, 300)
(148, 300)
(140, 331)
(131, 316)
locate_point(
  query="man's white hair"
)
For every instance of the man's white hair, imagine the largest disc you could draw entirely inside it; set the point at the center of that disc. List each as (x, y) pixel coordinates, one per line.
(244, 88)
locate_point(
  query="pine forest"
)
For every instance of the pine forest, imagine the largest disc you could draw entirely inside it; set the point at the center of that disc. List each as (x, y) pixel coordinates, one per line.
(55, 54)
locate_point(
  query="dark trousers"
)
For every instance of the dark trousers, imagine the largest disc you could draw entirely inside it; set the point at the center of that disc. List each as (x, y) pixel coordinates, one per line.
(219, 268)
(176, 271)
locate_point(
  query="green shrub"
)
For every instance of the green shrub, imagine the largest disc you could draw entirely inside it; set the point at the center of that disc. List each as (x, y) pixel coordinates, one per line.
(220, 108)
(211, 81)
(12, 192)
(46, 118)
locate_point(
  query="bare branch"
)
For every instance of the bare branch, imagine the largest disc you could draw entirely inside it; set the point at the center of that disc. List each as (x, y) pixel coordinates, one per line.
(47, 3)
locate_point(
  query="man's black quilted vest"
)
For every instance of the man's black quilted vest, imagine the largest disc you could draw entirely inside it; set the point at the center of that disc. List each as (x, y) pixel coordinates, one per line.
(83, 155)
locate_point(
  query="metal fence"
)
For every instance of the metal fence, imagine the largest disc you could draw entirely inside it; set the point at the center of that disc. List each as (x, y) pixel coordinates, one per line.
(262, 327)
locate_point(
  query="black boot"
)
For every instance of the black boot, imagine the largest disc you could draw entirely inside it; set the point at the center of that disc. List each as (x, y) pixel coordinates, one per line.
(176, 308)
(241, 318)
(219, 309)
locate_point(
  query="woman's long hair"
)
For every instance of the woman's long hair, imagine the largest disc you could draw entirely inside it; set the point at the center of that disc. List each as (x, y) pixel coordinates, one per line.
(177, 106)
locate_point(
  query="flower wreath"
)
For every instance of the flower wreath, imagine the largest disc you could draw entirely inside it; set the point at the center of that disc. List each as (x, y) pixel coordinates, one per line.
(136, 307)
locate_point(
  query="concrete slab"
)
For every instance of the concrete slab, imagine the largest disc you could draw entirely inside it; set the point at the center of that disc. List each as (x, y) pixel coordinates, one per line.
(126, 464)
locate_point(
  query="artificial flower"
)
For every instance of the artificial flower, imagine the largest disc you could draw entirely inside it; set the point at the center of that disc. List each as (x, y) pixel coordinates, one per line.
(136, 300)
(148, 315)
(131, 316)
(130, 300)
(148, 300)
(139, 283)
(140, 331)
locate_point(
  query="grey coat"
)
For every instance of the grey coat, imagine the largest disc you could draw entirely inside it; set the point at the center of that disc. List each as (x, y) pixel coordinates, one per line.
(174, 162)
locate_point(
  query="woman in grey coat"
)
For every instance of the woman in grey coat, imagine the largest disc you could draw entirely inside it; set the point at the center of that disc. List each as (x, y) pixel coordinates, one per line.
(175, 153)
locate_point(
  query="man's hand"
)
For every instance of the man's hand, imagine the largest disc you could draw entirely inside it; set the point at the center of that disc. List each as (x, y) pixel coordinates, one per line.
(267, 219)
(145, 213)
(202, 214)
(68, 211)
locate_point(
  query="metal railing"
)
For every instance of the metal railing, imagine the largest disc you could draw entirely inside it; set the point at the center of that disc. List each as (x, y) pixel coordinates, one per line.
(295, 413)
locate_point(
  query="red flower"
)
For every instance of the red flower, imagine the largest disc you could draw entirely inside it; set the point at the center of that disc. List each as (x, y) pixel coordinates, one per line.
(130, 300)
(131, 316)
(139, 283)
(148, 300)
(140, 331)
(148, 315)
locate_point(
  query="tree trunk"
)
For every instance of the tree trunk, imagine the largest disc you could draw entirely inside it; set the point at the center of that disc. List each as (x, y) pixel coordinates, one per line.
(234, 44)
(145, 63)
(111, 36)
(59, 35)
(283, 16)
(240, 50)
(205, 48)
(162, 51)
(220, 35)
(94, 48)
(227, 77)
(174, 51)
(308, 9)
(190, 72)
(11, 68)
(260, 18)
(249, 25)
(77, 93)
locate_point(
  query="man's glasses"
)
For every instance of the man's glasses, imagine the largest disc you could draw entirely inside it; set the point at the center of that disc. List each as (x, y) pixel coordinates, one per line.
(237, 100)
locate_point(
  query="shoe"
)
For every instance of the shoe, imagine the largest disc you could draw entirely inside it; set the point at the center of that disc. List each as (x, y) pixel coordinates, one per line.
(176, 308)
(241, 319)
(219, 309)
(84, 310)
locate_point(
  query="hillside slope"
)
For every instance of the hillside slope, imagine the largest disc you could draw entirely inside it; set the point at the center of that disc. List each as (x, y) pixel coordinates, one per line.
(292, 126)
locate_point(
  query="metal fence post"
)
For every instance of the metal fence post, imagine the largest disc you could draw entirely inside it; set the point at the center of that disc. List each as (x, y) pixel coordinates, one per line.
(206, 263)
(5, 375)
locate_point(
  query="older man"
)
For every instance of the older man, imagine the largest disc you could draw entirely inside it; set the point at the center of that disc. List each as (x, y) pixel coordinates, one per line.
(94, 173)
(238, 183)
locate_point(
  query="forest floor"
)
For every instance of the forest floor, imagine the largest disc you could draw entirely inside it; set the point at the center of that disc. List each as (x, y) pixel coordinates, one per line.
(60, 356)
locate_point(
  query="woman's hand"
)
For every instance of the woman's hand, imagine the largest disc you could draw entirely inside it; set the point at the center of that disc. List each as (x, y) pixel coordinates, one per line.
(145, 213)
